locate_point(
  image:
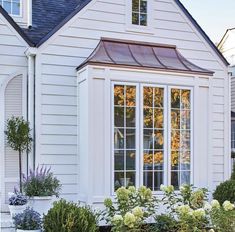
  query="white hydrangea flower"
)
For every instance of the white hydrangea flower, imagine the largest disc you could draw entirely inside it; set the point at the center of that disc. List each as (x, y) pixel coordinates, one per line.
(117, 218)
(199, 213)
(228, 206)
(163, 187)
(211, 230)
(138, 212)
(207, 207)
(215, 204)
(129, 220)
(184, 209)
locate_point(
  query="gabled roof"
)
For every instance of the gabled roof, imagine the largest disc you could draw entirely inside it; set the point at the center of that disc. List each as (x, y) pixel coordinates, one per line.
(48, 15)
(51, 15)
(15, 26)
(132, 54)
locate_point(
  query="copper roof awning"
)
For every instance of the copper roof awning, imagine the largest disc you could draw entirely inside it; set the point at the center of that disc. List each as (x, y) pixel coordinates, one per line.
(132, 54)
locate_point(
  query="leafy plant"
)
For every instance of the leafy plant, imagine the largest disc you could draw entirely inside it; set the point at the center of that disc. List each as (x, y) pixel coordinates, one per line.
(28, 220)
(70, 217)
(164, 223)
(131, 209)
(41, 182)
(19, 138)
(225, 191)
(17, 198)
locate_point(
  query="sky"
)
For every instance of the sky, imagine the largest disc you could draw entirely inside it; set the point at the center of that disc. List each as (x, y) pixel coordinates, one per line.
(214, 16)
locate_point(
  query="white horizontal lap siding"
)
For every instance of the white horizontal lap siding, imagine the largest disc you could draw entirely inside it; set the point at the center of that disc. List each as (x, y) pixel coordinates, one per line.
(233, 93)
(71, 45)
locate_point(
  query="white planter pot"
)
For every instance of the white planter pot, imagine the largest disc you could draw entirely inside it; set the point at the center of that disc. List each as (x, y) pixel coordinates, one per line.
(40, 204)
(16, 209)
(18, 230)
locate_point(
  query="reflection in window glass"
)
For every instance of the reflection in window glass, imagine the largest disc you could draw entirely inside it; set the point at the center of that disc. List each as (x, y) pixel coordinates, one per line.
(11, 6)
(180, 137)
(124, 135)
(139, 12)
(153, 137)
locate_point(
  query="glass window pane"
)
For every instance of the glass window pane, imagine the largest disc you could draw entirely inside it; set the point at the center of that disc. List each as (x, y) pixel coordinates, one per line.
(148, 160)
(130, 160)
(130, 139)
(185, 99)
(158, 118)
(119, 95)
(135, 18)
(175, 159)
(148, 118)
(119, 160)
(158, 139)
(175, 140)
(158, 160)
(175, 119)
(143, 6)
(175, 98)
(119, 180)
(148, 96)
(7, 6)
(15, 8)
(185, 160)
(185, 119)
(118, 138)
(135, 5)
(175, 179)
(148, 139)
(130, 95)
(143, 19)
(185, 140)
(158, 97)
(130, 179)
(148, 180)
(184, 177)
(119, 116)
(130, 117)
(158, 180)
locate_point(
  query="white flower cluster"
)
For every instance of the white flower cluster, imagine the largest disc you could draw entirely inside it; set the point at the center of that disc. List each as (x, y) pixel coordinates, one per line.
(184, 210)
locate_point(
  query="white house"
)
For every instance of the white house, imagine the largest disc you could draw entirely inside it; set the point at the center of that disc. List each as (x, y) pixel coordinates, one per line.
(117, 93)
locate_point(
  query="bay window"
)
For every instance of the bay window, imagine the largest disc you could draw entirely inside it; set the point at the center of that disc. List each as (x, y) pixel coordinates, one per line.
(151, 135)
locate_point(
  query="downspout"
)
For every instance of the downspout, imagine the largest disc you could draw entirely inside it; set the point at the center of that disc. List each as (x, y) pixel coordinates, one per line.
(31, 55)
(29, 12)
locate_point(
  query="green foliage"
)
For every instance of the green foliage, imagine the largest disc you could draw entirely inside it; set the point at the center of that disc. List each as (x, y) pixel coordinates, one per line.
(41, 182)
(131, 209)
(225, 191)
(233, 173)
(70, 217)
(19, 138)
(18, 134)
(164, 223)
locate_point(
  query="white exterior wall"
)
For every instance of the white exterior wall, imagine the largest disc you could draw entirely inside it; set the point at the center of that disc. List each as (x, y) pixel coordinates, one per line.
(71, 45)
(13, 67)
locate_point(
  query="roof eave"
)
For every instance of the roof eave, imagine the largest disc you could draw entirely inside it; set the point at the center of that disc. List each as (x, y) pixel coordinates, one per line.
(16, 27)
(202, 32)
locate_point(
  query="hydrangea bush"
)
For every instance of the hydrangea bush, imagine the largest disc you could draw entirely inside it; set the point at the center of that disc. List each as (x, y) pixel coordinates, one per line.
(130, 210)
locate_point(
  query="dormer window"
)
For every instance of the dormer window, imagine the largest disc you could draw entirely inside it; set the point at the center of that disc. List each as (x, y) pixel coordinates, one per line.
(139, 12)
(13, 7)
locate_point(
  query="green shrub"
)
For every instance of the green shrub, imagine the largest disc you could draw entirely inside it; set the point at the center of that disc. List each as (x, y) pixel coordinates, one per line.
(164, 223)
(70, 217)
(233, 173)
(225, 191)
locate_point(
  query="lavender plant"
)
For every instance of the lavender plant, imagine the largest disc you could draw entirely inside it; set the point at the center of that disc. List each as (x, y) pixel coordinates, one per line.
(41, 182)
(17, 198)
(28, 220)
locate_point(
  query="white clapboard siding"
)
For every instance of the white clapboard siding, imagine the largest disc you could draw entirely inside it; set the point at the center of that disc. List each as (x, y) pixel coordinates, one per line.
(75, 42)
(233, 94)
(13, 107)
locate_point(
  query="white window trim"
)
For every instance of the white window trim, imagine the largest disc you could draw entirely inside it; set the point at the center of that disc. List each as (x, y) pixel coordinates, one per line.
(139, 132)
(21, 9)
(139, 28)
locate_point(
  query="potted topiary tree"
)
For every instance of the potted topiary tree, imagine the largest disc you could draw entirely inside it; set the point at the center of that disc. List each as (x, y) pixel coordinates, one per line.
(19, 139)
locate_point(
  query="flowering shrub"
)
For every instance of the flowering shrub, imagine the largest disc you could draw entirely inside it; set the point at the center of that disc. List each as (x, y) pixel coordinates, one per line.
(131, 209)
(28, 220)
(17, 198)
(41, 182)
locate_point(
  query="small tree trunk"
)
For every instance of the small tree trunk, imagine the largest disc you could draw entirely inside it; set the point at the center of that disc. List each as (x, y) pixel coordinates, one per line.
(20, 171)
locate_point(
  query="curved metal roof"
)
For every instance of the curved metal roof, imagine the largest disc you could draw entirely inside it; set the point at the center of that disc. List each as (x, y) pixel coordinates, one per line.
(133, 54)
